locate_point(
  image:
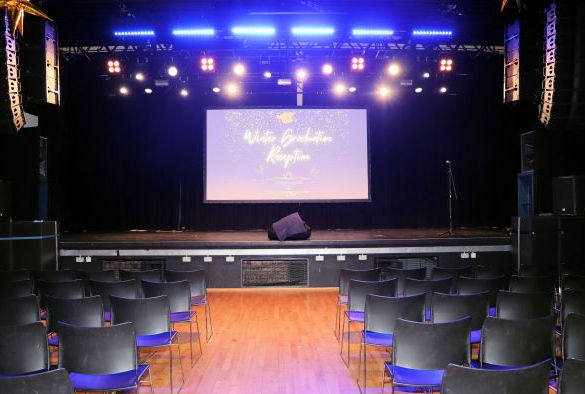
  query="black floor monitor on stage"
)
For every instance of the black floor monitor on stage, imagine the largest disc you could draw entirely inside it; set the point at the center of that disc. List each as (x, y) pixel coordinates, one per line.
(291, 227)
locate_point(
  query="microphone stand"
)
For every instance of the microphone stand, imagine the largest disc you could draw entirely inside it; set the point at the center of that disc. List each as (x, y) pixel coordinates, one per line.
(452, 193)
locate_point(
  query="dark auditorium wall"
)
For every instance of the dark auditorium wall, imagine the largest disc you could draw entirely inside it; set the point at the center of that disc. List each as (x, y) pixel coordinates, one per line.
(122, 159)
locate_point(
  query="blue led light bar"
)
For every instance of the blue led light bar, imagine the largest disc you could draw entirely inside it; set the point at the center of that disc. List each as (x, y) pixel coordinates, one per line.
(253, 30)
(194, 32)
(134, 33)
(372, 32)
(312, 31)
(432, 32)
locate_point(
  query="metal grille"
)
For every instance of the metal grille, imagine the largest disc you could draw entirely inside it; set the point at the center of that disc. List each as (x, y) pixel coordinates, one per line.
(265, 273)
(407, 263)
(131, 265)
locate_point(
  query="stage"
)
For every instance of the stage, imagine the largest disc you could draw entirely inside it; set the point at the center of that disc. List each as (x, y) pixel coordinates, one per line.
(227, 254)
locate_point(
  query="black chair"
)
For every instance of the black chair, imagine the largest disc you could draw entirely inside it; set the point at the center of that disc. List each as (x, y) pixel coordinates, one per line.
(356, 303)
(345, 275)
(101, 358)
(73, 289)
(532, 284)
(19, 288)
(124, 288)
(451, 272)
(154, 275)
(381, 314)
(573, 340)
(466, 286)
(14, 276)
(19, 310)
(54, 276)
(84, 312)
(528, 271)
(516, 343)
(198, 286)
(574, 282)
(100, 276)
(422, 352)
(402, 274)
(490, 272)
(415, 286)
(573, 301)
(464, 380)
(519, 306)
(449, 307)
(24, 349)
(572, 379)
(49, 382)
(152, 324)
(179, 295)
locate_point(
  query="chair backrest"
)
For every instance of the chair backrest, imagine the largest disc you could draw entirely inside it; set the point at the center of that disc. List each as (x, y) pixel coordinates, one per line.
(54, 276)
(402, 274)
(573, 301)
(573, 342)
(382, 311)
(55, 381)
(536, 271)
(100, 276)
(574, 282)
(149, 315)
(359, 289)
(84, 312)
(149, 275)
(346, 274)
(489, 272)
(124, 288)
(449, 307)
(13, 276)
(531, 284)
(453, 272)
(511, 305)
(24, 349)
(572, 379)
(178, 293)
(97, 350)
(19, 288)
(430, 346)
(196, 279)
(466, 286)
(416, 286)
(72, 289)
(517, 343)
(19, 310)
(463, 380)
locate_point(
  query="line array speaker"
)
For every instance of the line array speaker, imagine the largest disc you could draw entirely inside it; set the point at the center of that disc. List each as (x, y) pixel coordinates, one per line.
(11, 112)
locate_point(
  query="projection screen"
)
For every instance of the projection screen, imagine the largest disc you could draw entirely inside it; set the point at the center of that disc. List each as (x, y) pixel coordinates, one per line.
(286, 155)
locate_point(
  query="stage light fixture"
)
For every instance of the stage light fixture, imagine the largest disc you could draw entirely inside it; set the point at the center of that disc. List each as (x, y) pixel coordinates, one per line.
(443, 89)
(204, 32)
(426, 75)
(173, 71)
(207, 64)
(239, 69)
(358, 63)
(418, 90)
(312, 31)
(184, 92)
(301, 74)
(352, 89)
(446, 65)
(232, 89)
(372, 32)
(394, 69)
(124, 91)
(134, 33)
(339, 88)
(114, 66)
(432, 33)
(327, 69)
(216, 89)
(253, 30)
(384, 91)
(267, 74)
(139, 76)
(148, 90)
(284, 82)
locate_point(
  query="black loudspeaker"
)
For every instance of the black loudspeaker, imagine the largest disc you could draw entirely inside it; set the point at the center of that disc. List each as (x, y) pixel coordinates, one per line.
(5, 201)
(39, 59)
(291, 227)
(563, 88)
(11, 112)
(568, 195)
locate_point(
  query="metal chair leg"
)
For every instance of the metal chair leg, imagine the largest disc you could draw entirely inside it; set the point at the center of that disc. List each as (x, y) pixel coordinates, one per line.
(208, 317)
(171, 365)
(191, 340)
(342, 340)
(337, 320)
(150, 379)
(198, 335)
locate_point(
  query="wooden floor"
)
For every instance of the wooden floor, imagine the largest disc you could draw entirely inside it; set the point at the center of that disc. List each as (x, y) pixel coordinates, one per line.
(269, 341)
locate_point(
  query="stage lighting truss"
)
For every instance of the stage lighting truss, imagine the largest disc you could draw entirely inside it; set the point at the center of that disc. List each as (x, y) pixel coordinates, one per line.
(207, 64)
(358, 64)
(446, 65)
(114, 66)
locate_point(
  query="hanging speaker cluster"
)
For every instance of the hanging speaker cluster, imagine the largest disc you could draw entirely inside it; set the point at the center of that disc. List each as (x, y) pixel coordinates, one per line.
(11, 112)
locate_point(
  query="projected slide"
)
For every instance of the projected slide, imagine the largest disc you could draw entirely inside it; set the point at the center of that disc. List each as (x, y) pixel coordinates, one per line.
(264, 155)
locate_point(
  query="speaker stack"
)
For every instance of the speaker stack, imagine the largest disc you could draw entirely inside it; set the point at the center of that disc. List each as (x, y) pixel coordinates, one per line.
(11, 112)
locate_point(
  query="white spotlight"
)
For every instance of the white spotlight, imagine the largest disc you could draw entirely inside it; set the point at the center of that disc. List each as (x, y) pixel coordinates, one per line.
(139, 76)
(301, 74)
(184, 92)
(124, 90)
(172, 71)
(327, 69)
(267, 74)
(384, 91)
(239, 69)
(443, 89)
(232, 89)
(148, 90)
(418, 90)
(352, 89)
(394, 69)
(216, 89)
(339, 88)
(426, 75)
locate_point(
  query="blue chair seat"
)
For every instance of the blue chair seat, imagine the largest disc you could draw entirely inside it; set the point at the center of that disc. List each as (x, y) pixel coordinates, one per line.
(476, 364)
(492, 311)
(343, 299)
(155, 340)
(199, 300)
(355, 316)
(118, 381)
(54, 340)
(427, 315)
(475, 336)
(377, 338)
(107, 316)
(177, 317)
(415, 377)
